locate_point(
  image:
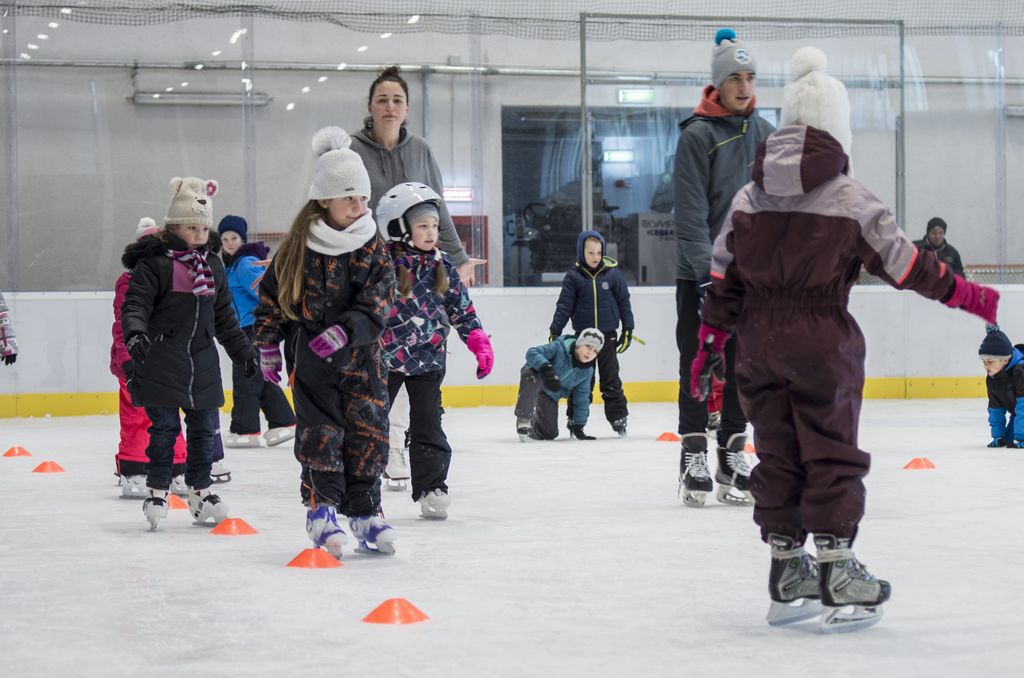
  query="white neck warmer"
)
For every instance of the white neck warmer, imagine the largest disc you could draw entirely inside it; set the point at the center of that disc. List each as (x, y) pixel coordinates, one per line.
(326, 240)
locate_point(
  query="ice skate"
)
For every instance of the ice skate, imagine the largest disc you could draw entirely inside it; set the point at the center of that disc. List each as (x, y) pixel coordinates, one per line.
(178, 486)
(694, 476)
(276, 436)
(219, 473)
(792, 583)
(851, 596)
(523, 428)
(205, 506)
(375, 537)
(619, 425)
(733, 473)
(323, 529)
(133, 487)
(434, 505)
(239, 440)
(396, 475)
(155, 507)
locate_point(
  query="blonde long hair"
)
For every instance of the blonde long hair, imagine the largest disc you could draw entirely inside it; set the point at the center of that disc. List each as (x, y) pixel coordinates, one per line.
(289, 262)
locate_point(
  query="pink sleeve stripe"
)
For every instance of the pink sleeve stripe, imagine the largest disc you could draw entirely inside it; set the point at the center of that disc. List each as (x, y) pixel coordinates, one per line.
(716, 274)
(909, 266)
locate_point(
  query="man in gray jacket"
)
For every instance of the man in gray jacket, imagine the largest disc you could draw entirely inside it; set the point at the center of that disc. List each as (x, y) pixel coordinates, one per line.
(713, 161)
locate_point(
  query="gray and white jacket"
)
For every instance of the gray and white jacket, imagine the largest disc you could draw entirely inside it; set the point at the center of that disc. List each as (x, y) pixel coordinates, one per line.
(8, 344)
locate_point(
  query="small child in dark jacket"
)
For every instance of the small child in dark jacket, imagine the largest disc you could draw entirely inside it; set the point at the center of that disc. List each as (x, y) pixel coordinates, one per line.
(594, 294)
(1004, 365)
(561, 369)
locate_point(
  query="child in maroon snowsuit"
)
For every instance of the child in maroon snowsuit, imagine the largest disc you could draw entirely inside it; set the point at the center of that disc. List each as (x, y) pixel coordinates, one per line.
(783, 265)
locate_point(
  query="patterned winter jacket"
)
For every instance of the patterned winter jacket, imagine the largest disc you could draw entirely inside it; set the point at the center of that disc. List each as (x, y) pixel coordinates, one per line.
(8, 344)
(593, 299)
(414, 341)
(1006, 396)
(575, 380)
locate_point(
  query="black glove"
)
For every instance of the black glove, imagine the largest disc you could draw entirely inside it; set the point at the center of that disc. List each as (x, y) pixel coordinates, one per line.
(577, 432)
(9, 359)
(624, 341)
(250, 366)
(138, 346)
(552, 336)
(550, 379)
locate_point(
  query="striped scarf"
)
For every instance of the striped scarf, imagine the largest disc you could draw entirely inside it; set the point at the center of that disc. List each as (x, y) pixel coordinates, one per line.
(202, 274)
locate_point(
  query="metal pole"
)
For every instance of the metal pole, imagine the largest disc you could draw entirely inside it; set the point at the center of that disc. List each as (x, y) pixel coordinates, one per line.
(901, 138)
(586, 166)
(9, 126)
(1000, 159)
(249, 119)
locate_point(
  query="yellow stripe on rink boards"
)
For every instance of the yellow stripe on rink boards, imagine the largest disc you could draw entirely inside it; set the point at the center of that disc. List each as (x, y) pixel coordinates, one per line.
(497, 395)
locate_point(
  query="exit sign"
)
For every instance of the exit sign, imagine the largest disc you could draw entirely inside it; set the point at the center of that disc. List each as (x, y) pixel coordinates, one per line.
(636, 96)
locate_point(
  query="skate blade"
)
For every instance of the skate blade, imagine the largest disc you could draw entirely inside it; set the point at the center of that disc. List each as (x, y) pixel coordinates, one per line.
(379, 549)
(523, 437)
(243, 445)
(849, 618)
(780, 614)
(725, 495)
(694, 498)
(133, 496)
(396, 484)
(434, 515)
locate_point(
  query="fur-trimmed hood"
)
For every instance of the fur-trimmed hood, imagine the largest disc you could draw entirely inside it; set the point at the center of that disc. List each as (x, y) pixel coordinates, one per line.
(158, 244)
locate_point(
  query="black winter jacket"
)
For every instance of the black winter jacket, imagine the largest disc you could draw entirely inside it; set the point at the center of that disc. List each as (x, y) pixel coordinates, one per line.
(182, 368)
(593, 298)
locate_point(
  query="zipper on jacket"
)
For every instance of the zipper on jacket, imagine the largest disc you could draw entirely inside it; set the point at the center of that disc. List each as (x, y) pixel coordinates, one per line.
(191, 365)
(593, 283)
(743, 132)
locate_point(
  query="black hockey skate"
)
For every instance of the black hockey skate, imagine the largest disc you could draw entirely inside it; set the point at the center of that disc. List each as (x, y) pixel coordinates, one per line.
(793, 583)
(523, 428)
(851, 596)
(619, 425)
(694, 476)
(733, 473)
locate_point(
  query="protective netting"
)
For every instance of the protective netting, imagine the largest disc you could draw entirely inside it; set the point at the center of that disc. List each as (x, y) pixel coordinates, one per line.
(560, 19)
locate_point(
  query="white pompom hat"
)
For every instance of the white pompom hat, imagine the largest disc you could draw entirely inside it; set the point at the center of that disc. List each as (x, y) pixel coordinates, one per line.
(815, 98)
(339, 170)
(147, 226)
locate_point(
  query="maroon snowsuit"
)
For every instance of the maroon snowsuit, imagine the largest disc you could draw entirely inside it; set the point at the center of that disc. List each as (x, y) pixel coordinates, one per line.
(782, 269)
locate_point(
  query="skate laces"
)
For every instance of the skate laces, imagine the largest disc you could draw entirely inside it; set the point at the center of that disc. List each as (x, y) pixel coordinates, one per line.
(697, 465)
(737, 460)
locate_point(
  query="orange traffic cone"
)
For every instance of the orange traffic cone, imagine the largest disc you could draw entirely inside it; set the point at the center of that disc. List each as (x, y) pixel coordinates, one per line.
(919, 464)
(17, 452)
(233, 527)
(48, 467)
(176, 502)
(314, 558)
(395, 611)
(749, 449)
(668, 437)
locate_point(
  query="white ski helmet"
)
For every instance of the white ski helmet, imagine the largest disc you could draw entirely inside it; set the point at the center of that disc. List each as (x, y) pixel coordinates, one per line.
(396, 202)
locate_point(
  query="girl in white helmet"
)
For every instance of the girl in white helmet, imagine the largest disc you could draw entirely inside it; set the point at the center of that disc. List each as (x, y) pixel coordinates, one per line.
(431, 301)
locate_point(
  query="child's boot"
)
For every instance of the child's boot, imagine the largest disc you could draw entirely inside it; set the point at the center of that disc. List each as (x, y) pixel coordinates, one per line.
(846, 582)
(733, 473)
(792, 582)
(397, 474)
(155, 507)
(434, 505)
(373, 534)
(133, 487)
(323, 529)
(205, 505)
(694, 476)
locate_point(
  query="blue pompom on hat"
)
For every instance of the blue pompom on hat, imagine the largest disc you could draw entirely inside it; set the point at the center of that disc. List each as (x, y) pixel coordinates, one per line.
(995, 344)
(236, 224)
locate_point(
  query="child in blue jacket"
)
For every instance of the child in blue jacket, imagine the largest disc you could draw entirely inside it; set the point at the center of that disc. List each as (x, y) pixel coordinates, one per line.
(594, 294)
(562, 369)
(1004, 365)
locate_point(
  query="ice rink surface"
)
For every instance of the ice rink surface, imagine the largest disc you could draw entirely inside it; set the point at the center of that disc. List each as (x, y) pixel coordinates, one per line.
(559, 559)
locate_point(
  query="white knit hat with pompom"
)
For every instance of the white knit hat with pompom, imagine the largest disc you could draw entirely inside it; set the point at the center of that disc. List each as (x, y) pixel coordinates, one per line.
(815, 98)
(339, 170)
(147, 226)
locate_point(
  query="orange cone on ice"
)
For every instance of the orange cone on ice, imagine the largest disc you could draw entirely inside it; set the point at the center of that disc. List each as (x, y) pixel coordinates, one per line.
(919, 464)
(233, 527)
(176, 502)
(314, 558)
(668, 437)
(395, 611)
(17, 452)
(48, 467)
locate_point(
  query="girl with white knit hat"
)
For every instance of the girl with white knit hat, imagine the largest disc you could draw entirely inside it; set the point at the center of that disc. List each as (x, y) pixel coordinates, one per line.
(328, 293)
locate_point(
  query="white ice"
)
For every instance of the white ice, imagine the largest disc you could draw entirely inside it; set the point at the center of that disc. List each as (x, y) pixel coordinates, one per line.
(559, 559)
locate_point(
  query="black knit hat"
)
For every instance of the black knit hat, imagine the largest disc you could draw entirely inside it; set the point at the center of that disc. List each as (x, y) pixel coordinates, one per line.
(995, 343)
(936, 221)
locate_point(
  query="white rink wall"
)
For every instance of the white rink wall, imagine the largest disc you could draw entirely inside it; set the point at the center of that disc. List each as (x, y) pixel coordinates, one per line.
(64, 337)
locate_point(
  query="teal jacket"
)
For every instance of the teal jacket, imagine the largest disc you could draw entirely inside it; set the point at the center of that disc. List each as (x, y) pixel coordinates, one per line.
(575, 380)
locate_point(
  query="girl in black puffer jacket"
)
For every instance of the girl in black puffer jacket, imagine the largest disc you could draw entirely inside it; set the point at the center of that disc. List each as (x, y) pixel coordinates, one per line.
(177, 302)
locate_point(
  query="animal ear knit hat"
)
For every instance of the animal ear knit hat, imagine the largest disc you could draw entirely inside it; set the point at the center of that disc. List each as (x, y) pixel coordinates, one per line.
(729, 56)
(815, 98)
(190, 201)
(339, 170)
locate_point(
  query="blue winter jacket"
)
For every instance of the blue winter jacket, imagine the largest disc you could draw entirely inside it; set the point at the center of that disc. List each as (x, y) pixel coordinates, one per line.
(575, 380)
(593, 299)
(242, 272)
(1006, 396)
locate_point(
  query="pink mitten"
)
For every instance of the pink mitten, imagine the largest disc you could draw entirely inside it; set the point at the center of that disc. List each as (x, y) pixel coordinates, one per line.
(709, 362)
(330, 340)
(480, 345)
(270, 363)
(974, 298)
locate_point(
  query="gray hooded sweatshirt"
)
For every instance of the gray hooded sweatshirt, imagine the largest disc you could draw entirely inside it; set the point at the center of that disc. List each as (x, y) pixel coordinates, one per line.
(410, 160)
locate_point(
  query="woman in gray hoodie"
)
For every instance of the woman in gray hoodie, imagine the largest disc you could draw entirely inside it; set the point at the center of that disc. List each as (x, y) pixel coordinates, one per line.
(392, 155)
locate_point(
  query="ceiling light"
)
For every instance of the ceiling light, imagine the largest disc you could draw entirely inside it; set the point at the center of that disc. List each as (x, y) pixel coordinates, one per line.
(25, 56)
(322, 78)
(415, 18)
(342, 66)
(305, 90)
(247, 83)
(362, 48)
(156, 96)
(237, 34)
(184, 84)
(53, 24)
(6, 31)
(290, 106)
(385, 36)
(32, 45)
(43, 36)
(244, 65)
(202, 98)
(216, 52)
(198, 67)
(169, 89)
(65, 10)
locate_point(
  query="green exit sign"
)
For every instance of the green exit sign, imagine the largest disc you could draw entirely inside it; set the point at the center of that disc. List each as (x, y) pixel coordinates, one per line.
(636, 96)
